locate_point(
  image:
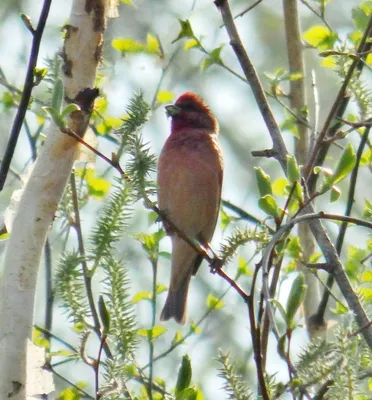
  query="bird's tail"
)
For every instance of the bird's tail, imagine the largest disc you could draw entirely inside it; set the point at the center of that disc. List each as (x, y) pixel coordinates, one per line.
(183, 260)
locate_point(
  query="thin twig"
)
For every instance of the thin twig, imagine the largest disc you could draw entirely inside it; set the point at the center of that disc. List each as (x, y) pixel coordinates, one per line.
(256, 339)
(26, 94)
(320, 15)
(164, 71)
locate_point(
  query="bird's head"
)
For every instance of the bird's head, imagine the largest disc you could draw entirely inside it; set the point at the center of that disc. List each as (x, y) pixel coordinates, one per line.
(190, 111)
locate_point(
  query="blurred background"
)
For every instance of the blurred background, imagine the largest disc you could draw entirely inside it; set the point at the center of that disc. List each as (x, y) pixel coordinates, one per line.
(242, 130)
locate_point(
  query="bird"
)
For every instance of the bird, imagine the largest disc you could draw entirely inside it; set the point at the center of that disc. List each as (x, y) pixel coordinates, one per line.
(189, 181)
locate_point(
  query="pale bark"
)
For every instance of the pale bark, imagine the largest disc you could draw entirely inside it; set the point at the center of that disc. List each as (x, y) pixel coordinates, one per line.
(40, 199)
(297, 98)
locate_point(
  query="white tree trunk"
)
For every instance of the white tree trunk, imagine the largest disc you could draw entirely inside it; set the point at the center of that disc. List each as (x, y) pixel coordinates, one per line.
(38, 205)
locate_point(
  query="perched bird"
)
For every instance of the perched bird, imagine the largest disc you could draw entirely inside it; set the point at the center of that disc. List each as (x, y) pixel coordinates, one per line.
(190, 174)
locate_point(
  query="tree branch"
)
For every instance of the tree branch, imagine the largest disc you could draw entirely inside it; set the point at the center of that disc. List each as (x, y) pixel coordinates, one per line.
(26, 94)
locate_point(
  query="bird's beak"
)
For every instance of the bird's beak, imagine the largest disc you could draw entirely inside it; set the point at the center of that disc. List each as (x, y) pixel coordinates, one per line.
(172, 110)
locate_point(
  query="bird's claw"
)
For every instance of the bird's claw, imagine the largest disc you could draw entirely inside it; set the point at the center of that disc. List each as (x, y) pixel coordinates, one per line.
(216, 264)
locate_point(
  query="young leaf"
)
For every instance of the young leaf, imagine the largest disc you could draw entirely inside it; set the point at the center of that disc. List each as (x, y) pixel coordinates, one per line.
(345, 164)
(296, 297)
(268, 205)
(104, 314)
(69, 109)
(263, 182)
(214, 303)
(185, 32)
(293, 171)
(187, 394)
(214, 58)
(335, 193)
(320, 37)
(184, 375)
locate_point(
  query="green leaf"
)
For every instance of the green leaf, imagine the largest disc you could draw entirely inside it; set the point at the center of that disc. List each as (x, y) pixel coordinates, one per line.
(281, 346)
(164, 96)
(243, 268)
(361, 15)
(335, 194)
(353, 263)
(195, 328)
(79, 327)
(8, 100)
(97, 187)
(152, 44)
(160, 289)
(366, 294)
(184, 375)
(39, 74)
(263, 182)
(345, 164)
(53, 113)
(141, 296)
(185, 32)
(290, 124)
(279, 306)
(4, 236)
(214, 303)
(367, 210)
(58, 94)
(294, 248)
(191, 44)
(296, 297)
(71, 393)
(340, 309)
(320, 37)
(366, 277)
(38, 338)
(268, 205)
(187, 394)
(293, 171)
(153, 333)
(131, 46)
(69, 109)
(104, 314)
(177, 337)
(214, 58)
(279, 186)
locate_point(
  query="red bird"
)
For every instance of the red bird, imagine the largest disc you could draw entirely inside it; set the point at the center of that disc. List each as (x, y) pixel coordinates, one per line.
(190, 174)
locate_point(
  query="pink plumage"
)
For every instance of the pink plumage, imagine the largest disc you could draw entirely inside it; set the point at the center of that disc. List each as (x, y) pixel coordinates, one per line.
(190, 173)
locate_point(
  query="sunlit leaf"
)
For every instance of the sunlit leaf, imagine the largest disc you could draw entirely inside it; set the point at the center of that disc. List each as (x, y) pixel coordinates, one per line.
(263, 182)
(164, 96)
(191, 44)
(213, 58)
(320, 37)
(214, 303)
(186, 30)
(268, 205)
